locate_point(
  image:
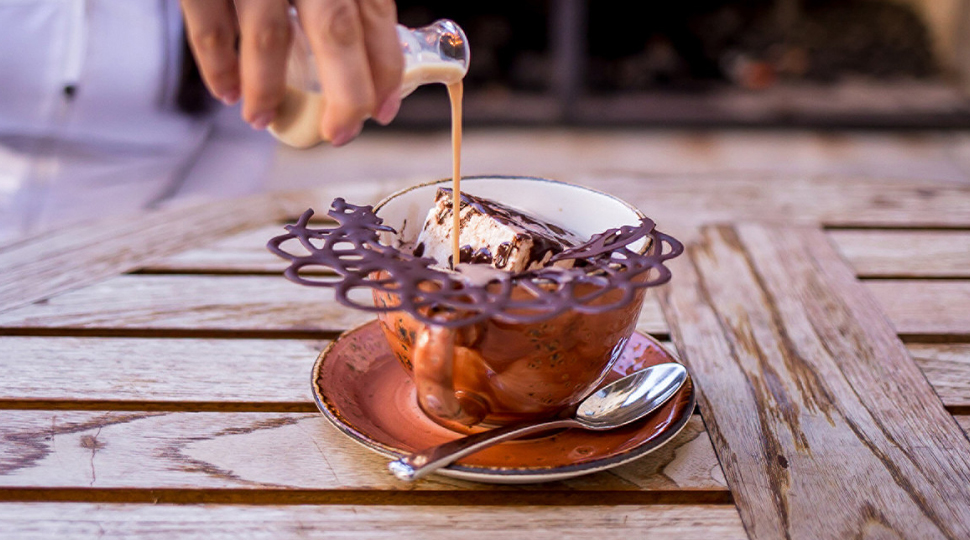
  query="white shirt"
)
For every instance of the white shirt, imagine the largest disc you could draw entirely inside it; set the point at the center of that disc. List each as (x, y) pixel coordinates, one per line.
(115, 142)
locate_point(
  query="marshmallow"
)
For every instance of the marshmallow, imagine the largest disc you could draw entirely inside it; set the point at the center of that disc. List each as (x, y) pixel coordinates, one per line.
(492, 234)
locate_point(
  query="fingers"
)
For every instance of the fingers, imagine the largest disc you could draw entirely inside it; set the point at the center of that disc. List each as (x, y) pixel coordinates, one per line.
(264, 44)
(355, 44)
(211, 30)
(379, 21)
(336, 35)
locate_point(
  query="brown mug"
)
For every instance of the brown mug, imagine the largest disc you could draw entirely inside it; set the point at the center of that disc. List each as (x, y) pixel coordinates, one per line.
(494, 373)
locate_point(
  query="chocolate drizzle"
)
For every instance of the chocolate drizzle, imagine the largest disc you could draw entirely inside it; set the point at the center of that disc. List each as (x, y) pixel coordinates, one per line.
(474, 292)
(465, 255)
(551, 239)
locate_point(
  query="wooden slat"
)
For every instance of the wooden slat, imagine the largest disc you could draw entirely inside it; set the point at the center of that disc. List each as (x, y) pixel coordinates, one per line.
(240, 253)
(947, 367)
(905, 254)
(81, 520)
(247, 371)
(812, 403)
(282, 452)
(680, 204)
(178, 450)
(157, 370)
(925, 307)
(214, 303)
(69, 258)
(872, 253)
(193, 303)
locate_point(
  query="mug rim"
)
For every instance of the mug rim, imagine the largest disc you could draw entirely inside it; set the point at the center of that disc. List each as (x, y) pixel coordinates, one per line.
(398, 193)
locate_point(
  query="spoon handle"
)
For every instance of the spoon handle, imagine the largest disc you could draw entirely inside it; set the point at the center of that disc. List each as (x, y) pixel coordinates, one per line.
(427, 461)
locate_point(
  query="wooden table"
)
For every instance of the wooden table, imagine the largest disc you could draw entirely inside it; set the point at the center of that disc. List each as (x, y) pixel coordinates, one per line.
(155, 375)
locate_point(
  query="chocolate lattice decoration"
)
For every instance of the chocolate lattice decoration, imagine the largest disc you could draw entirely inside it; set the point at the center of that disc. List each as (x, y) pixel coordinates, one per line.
(472, 293)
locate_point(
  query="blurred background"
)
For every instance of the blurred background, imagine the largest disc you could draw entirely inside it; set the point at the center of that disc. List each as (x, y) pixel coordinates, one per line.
(101, 111)
(819, 63)
(571, 88)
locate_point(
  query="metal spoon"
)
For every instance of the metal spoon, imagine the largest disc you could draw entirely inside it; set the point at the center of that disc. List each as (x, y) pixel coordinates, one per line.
(617, 404)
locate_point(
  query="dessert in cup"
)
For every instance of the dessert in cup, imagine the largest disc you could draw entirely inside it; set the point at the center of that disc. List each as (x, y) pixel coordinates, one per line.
(544, 297)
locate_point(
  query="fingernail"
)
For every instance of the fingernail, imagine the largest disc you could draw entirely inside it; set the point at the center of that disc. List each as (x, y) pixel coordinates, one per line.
(262, 120)
(388, 110)
(231, 97)
(346, 135)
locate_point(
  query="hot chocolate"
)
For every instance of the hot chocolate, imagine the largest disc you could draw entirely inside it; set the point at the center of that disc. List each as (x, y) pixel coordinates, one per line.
(487, 345)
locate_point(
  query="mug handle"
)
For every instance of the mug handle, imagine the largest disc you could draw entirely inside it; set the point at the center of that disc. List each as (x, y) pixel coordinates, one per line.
(434, 367)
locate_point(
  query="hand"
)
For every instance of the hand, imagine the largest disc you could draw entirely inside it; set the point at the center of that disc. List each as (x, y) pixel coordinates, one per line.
(359, 60)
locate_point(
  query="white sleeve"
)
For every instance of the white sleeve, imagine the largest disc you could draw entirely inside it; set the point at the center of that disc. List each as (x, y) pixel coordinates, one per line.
(119, 59)
(114, 143)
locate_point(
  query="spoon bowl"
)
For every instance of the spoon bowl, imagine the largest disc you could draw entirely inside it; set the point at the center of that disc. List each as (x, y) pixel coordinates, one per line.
(631, 398)
(617, 404)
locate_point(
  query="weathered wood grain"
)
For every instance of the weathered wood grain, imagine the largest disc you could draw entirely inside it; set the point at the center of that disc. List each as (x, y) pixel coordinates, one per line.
(925, 307)
(947, 368)
(280, 451)
(872, 253)
(810, 399)
(66, 259)
(651, 319)
(679, 205)
(69, 258)
(81, 520)
(196, 303)
(247, 371)
(244, 252)
(191, 303)
(276, 451)
(145, 450)
(905, 254)
(157, 370)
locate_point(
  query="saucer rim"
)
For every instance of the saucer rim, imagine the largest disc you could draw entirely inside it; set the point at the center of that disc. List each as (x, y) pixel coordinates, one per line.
(506, 475)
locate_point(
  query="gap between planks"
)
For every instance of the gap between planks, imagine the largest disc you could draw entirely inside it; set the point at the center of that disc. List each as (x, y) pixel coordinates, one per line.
(933, 339)
(170, 333)
(213, 271)
(189, 333)
(159, 406)
(215, 406)
(365, 497)
(205, 271)
(893, 227)
(911, 277)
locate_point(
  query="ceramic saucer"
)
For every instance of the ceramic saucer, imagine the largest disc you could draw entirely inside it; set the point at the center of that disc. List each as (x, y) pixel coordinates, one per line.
(365, 393)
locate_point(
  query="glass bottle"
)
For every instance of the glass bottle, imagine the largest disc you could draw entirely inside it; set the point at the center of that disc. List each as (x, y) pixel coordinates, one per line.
(437, 53)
